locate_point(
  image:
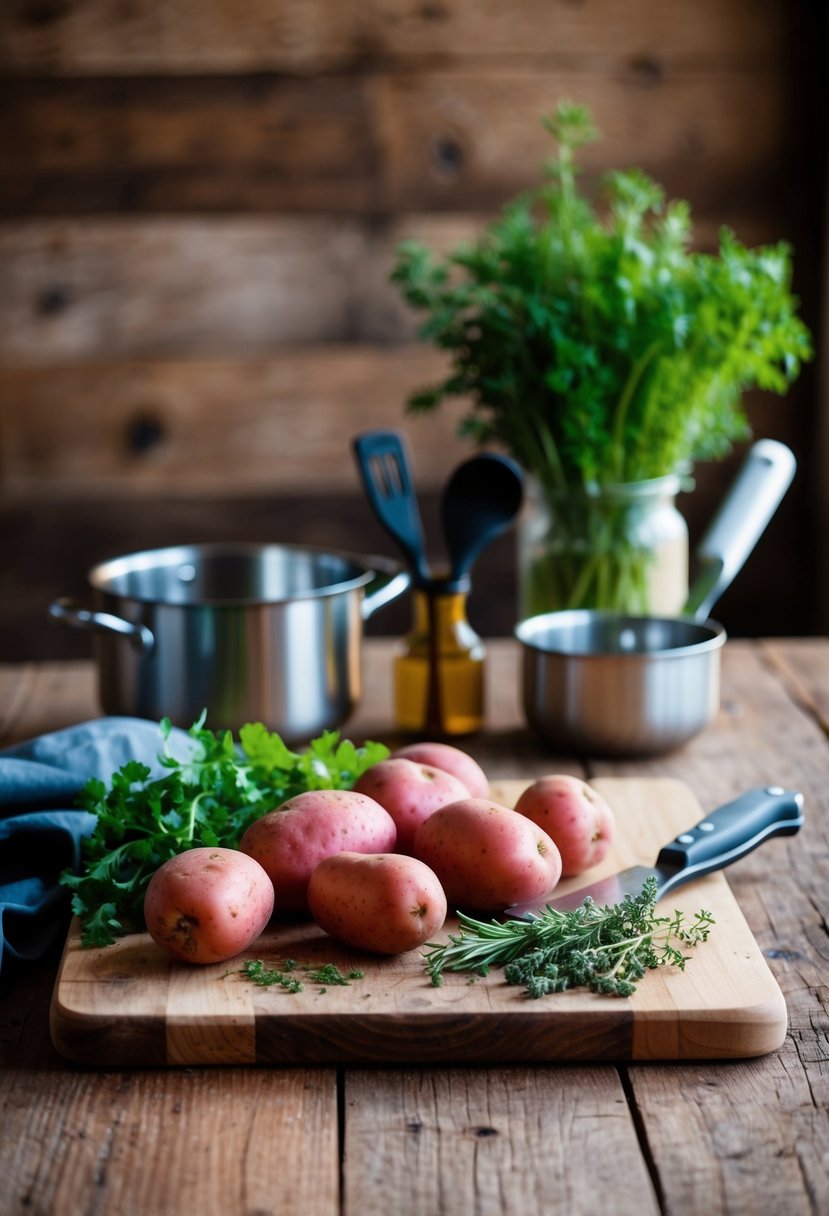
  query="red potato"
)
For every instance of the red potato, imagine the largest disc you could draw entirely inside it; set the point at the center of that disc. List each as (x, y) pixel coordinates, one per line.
(208, 905)
(385, 904)
(575, 815)
(290, 842)
(486, 856)
(450, 760)
(410, 793)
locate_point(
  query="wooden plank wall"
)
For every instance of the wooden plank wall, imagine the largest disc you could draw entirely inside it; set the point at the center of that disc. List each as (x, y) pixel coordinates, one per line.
(199, 205)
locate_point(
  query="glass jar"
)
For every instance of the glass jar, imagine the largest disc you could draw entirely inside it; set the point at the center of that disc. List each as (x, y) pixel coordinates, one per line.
(439, 675)
(621, 548)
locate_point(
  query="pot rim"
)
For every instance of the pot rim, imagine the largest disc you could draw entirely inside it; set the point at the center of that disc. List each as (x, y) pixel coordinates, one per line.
(712, 635)
(101, 576)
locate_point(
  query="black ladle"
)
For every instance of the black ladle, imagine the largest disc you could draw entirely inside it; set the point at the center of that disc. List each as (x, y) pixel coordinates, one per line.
(480, 501)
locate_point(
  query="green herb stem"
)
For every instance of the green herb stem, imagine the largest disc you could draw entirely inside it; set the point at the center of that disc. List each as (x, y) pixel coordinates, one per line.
(632, 384)
(605, 949)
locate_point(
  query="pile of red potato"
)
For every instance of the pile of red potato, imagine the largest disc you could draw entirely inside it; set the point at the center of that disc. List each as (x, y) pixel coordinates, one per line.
(377, 867)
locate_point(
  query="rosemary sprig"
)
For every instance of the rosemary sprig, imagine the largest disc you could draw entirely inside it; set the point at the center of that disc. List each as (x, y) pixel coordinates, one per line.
(604, 949)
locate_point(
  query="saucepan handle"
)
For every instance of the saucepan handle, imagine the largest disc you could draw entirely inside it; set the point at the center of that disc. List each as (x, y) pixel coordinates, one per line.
(67, 612)
(763, 479)
(389, 582)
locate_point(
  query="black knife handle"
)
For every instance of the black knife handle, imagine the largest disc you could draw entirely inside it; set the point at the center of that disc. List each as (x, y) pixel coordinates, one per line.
(732, 831)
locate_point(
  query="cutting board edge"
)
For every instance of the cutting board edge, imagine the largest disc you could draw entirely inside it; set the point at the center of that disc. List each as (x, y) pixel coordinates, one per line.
(95, 1040)
(741, 1032)
(737, 1033)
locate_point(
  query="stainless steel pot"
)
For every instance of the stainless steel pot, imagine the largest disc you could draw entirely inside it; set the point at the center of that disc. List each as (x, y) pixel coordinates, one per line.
(598, 683)
(250, 632)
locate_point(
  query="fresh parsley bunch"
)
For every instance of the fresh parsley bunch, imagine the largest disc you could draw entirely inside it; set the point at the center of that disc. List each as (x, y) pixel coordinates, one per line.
(209, 798)
(597, 348)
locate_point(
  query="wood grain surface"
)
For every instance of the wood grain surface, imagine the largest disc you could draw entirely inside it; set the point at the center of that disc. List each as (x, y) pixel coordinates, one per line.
(167, 430)
(452, 1135)
(193, 36)
(380, 142)
(739, 1138)
(80, 292)
(130, 1004)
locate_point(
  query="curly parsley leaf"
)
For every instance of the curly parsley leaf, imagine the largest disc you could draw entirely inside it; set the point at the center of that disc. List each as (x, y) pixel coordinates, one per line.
(209, 798)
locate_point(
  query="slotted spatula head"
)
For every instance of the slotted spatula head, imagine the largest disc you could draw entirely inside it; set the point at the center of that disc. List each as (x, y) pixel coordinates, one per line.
(383, 462)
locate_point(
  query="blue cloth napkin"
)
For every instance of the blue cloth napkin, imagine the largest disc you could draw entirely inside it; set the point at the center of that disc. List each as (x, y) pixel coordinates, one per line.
(41, 832)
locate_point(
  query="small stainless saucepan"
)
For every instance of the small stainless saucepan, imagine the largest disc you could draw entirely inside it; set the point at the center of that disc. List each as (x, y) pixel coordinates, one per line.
(249, 632)
(599, 683)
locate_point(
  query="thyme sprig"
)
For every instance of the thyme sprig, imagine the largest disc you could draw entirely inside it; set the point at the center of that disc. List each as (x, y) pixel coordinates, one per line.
(606, 949)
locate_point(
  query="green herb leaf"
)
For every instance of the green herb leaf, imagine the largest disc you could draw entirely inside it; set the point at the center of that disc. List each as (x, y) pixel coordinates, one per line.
(325, 973)
(592, 343)
(330, 973)
(605, 949)
(255, 970)
(208, 799)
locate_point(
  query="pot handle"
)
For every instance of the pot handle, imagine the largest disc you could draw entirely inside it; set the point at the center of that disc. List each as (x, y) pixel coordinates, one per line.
(66, 612)
(388, 583)
(763, 479)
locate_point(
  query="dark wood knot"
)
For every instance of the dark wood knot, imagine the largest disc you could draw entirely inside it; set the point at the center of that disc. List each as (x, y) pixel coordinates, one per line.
(447, 155)
(144, 432)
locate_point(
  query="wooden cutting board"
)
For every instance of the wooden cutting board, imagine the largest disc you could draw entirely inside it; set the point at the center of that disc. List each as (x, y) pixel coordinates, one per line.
(131, 1004)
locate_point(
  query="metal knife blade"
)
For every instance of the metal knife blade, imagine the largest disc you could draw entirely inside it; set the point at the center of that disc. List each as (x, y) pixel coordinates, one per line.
(727, 834)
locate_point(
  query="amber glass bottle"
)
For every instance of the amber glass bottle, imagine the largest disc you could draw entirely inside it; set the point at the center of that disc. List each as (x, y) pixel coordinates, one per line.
(439, 676)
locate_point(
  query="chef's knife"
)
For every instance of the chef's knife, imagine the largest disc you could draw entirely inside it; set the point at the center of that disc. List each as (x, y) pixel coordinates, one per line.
(722, 837)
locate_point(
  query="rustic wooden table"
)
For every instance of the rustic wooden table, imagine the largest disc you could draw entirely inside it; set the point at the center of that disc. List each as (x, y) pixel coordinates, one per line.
(739, 1137)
